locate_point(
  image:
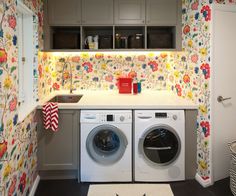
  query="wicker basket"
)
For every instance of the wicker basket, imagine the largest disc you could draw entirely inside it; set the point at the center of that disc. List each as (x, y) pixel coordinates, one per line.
(232, 170)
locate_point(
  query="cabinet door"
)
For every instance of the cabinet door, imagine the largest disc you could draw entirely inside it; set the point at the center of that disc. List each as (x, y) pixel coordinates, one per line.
(58, 150)
(61, 12)
(129, 11)
(97, 12)
(162, 12)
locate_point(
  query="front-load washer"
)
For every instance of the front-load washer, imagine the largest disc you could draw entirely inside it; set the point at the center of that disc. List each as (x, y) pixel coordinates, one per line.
(106, 145)
(159, 145)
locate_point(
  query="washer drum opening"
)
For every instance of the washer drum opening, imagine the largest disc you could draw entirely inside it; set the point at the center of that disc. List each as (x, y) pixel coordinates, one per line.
(106, 144)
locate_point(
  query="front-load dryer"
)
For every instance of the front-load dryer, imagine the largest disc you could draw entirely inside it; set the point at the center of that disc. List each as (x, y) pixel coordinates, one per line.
(105, 146)
(159, 145)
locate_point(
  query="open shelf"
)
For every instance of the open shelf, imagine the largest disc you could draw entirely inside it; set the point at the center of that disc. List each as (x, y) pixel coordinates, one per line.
(160, 37)
(129, 37)
(114, 38)
(97, 37)
(65, 37)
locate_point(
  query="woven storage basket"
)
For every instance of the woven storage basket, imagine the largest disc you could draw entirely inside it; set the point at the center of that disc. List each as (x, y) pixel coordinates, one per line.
(232, 170)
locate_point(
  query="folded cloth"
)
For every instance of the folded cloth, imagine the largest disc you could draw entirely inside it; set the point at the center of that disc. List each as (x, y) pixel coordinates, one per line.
(47, 115)
(50, 116)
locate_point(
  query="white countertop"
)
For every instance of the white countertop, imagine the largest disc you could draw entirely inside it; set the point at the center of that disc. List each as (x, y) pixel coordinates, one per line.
(113, 100)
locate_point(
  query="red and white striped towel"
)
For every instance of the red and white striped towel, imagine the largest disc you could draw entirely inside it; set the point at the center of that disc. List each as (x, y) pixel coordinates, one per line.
(50, 116)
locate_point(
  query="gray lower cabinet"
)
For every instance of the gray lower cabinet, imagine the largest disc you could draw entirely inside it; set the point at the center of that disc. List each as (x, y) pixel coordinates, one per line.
(58, 150)
(163, 12)
(61, 12)
(97, 12)
(129, 12)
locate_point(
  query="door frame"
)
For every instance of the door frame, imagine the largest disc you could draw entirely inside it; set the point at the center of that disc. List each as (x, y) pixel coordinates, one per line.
(215, 7)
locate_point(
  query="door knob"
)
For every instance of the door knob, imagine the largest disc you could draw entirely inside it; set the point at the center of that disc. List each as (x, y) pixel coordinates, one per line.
(221, 99)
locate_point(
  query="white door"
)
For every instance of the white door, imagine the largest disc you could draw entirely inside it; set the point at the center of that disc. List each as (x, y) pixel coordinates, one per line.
(223, 112)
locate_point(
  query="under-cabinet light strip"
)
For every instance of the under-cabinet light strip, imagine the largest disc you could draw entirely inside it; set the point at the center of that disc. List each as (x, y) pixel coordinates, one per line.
(117, 53)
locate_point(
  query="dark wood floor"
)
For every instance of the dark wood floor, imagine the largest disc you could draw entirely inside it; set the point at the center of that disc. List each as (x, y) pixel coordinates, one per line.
(186, 188)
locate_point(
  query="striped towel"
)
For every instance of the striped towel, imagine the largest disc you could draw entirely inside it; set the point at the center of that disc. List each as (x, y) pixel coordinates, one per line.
(50, 116)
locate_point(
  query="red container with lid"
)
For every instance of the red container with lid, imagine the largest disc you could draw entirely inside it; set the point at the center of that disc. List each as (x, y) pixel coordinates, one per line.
(125, 85)
(135, 88)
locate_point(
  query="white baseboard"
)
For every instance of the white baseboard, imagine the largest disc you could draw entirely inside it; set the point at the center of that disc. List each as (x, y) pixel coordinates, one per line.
(35, 185)
(204, 183)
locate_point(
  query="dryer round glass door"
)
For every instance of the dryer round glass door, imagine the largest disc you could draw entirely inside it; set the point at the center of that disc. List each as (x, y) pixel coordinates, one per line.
(106, 144)
(160, 145)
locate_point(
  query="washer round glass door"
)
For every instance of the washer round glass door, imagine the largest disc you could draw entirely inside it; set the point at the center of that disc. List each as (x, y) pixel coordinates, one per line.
(106, 144)
(160, 145)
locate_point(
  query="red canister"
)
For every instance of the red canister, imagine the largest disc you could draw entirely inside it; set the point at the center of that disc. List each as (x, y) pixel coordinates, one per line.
(125, 85)
(135, 88)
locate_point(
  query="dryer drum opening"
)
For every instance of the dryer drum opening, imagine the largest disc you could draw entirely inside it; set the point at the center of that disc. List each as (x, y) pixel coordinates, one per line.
(160, 145)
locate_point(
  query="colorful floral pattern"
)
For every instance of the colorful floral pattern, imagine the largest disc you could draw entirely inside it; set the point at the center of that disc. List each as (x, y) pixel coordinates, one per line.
(205, 70)
(100, 71)
(196, 17)
(186, 73)
(18, 141)
(206, 12)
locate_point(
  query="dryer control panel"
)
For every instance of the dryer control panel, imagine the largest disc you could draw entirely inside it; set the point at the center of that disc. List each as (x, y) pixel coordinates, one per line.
(159, 115)
(106, 116)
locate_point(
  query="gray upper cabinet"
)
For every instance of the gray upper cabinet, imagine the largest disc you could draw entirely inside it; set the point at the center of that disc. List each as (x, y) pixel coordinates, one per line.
(61, 12)
(58, 150)
(107, 17)
(162, 12)
(97, 12)
(129, 12)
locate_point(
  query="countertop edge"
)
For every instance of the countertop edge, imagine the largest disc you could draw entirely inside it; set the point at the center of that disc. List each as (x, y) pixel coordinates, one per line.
(183, 106)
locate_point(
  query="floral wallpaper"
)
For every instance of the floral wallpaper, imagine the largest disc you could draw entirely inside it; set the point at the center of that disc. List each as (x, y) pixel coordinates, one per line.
(196, 18)
(18, 141)
(196, 41)
(187, 73)
(159, 70)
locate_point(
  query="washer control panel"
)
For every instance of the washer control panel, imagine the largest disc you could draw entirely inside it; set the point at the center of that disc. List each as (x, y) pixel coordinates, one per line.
(106, 116)
(116, 118)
